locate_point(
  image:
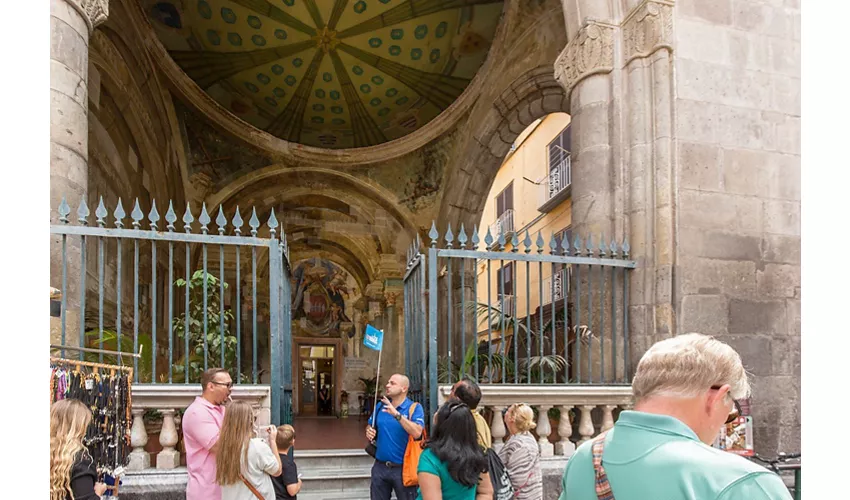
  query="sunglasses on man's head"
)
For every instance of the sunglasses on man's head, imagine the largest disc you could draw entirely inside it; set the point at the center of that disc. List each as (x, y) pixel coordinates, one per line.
(229, 385)
(736, 408)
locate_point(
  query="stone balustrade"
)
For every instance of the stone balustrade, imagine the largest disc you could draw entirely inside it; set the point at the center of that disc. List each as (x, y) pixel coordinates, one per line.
(571, 401)
(170, 401)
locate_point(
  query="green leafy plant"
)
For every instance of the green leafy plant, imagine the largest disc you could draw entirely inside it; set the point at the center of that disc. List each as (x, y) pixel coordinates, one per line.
(216, 318)
(536, 369)
(110, 343)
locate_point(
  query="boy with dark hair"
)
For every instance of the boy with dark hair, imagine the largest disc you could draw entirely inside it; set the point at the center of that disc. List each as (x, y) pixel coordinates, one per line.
(470, 394)
(288, 484)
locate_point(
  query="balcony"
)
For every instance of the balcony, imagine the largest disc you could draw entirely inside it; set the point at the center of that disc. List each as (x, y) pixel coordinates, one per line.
(556, 187)
(562, 286)
(503, 225)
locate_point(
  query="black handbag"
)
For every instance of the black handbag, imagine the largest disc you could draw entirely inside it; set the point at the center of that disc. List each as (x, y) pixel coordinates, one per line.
(502, 487)
(372, 446)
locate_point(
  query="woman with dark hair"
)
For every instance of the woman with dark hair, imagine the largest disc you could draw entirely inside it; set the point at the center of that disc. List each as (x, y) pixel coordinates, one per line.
(453, 467)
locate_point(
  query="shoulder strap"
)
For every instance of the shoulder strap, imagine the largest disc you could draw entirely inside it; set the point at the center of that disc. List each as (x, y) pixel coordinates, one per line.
(410, 410)
(603, 488)
(375, 416)
(251, 487)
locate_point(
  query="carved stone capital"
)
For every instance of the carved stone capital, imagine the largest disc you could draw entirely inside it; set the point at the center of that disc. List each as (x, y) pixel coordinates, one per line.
(390, 298)
(646, 29)
(94, 12)
(590, 52)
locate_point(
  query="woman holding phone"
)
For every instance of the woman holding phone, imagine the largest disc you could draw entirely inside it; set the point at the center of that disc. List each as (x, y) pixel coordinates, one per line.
(245, 465)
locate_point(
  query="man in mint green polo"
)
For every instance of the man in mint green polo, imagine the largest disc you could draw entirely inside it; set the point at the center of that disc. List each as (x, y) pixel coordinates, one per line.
(684, 391)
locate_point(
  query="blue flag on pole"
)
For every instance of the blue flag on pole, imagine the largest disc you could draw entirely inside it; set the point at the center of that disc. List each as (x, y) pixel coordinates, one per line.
(374, 338)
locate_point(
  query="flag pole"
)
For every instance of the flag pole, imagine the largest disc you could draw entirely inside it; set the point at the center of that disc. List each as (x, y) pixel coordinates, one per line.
(377, 381)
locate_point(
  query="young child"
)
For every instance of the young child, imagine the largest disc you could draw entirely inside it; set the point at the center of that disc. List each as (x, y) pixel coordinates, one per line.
(288, 484)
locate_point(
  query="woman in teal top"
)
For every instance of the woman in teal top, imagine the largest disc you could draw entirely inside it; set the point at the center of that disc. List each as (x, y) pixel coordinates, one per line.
(452, 467)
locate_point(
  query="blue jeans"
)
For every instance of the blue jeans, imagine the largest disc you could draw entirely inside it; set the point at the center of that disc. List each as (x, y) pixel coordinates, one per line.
(385, 480)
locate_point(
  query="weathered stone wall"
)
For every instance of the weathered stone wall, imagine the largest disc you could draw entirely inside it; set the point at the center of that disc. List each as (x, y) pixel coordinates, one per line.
(737, 153)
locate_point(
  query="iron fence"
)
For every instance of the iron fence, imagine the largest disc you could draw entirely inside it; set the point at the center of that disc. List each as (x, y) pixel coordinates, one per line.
(210, 307)
(510, 332)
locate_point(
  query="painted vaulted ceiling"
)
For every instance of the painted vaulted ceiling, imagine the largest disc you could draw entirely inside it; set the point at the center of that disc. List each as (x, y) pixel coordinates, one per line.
(330, 73)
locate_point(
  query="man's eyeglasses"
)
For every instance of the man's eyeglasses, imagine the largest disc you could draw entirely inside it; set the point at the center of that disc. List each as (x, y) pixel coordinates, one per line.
(736, 408)
(229, 385)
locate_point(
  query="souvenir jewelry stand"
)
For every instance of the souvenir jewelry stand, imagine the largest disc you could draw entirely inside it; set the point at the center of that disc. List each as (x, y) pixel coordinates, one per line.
(106, 390)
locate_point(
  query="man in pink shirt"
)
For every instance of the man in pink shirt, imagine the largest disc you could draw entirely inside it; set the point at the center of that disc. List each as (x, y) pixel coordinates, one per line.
(201, 427)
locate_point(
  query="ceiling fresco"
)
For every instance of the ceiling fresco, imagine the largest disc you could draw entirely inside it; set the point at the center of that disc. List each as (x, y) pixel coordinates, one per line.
(325, 73)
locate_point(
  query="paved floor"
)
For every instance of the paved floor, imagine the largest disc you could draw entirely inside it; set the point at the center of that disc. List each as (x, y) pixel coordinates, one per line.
(325, 433)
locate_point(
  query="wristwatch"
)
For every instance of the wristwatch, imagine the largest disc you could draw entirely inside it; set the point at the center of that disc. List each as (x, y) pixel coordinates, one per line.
(399, 416)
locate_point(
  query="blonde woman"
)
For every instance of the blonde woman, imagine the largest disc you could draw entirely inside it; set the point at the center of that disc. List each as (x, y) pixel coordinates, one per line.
(521, 455)
(245, 465)
(72, 472)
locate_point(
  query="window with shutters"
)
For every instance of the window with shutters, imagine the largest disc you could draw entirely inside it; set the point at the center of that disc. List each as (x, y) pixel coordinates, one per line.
(505, 200)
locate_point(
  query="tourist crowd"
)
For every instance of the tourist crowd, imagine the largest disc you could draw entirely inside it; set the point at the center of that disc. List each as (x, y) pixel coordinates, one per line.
(685, 390)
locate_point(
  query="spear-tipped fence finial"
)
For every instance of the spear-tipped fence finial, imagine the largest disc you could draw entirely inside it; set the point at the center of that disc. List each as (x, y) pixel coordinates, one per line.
(64, 211)
(254, 222)
(272, 223)
(221, 220)
(434, 234)
(188, 218)
(170, 217)
(237, 222)
(83, 213)
(100, 212)
(137, 215)
(204, 219)
(153, 216)
(119, 215)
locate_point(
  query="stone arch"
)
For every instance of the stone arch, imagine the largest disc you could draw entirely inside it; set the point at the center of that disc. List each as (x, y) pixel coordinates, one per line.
(359, 188)
(533, 95)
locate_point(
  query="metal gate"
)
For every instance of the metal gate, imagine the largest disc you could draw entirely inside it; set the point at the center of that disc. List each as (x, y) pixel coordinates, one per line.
(416, 330)
(568, 324)
(202, 316)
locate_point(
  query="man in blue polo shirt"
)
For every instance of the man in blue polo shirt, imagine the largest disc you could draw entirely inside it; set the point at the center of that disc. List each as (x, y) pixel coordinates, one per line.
(393, 425)
(685, 389)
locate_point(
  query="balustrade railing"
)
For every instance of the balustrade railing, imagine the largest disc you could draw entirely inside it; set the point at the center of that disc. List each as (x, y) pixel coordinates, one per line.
(504, 224)
(567, 416)
(557, 181)
(158, 409)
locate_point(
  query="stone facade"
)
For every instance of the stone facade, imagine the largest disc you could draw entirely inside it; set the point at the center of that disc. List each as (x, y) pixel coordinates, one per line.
(685, 119)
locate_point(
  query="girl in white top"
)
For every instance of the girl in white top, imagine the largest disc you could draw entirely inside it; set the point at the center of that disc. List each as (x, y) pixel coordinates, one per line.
(245, 465)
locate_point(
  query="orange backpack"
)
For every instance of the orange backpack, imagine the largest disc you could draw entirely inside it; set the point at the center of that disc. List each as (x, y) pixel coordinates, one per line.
(409, 472)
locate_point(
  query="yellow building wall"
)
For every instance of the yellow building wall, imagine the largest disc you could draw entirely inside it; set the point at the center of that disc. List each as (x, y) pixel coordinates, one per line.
(528, 161)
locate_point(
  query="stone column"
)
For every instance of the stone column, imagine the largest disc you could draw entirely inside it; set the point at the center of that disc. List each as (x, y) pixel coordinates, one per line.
(71, 25)
(565, 430)
(497, 427)
(139, 458)
(587, 68)
(547, 449)
(168, 458)
(585, 427)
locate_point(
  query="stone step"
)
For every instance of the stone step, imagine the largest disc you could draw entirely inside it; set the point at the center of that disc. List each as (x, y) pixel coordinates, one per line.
(335, 479)
(310, 459)
(361, 494)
